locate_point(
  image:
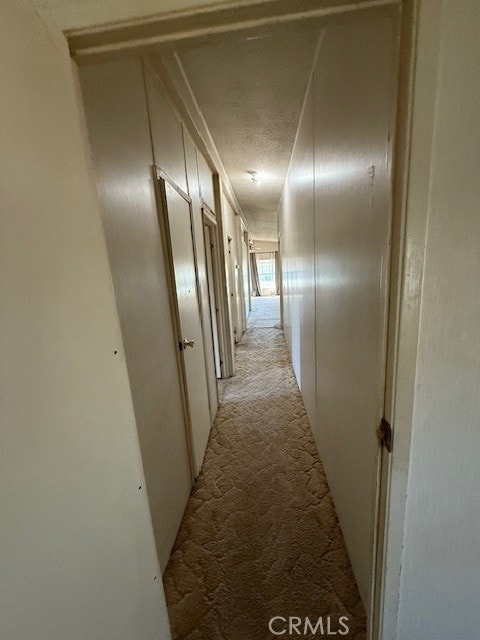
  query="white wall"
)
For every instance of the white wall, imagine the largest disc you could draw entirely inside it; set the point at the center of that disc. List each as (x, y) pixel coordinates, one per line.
(77, 549)
(440, 588)
(119, 131)
(440, 584)
(260, 246)
(206, 182)
(297, 228)
(352, 230)
(335, 220)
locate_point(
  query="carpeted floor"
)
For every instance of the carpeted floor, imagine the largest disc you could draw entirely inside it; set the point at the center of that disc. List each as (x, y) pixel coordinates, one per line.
(260, 537)
(265, 312)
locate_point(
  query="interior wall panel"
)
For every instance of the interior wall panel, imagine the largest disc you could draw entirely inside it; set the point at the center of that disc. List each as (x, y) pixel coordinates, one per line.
(206, 182)
(352, 222)
(297, 210)
(77, 548)
(287, 232)
(117, 119)
(335, 217)
(166, 130)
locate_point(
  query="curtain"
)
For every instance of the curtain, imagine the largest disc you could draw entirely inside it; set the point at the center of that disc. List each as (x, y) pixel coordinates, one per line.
(256, 290)
(277, 273)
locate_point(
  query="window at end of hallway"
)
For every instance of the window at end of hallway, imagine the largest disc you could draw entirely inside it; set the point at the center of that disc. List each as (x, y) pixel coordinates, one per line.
(266, 273)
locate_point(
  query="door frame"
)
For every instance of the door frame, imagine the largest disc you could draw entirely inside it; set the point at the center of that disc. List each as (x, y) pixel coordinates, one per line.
(106, 41)
(280, 257)
(232, 287)
(226, 329)
(209, 222)
(245, 268)
(240, 284)
(400, 343)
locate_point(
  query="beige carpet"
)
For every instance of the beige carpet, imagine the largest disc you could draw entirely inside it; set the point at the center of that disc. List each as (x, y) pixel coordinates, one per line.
(265, 312)
(260, 537)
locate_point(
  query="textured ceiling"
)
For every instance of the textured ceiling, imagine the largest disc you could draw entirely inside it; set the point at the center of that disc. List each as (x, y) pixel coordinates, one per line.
(251, 92)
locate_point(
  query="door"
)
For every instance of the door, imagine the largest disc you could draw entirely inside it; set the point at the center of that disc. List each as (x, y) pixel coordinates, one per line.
(177, 227)
(232, 289)
(239, 281)
(246, 280)
(209, 232)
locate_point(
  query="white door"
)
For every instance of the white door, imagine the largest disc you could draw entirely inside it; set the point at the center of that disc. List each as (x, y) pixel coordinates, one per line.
(208, 232)
(246, 282)
(178, 232)
(232, 289)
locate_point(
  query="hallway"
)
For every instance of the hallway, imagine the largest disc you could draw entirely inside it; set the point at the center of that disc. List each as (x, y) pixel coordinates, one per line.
(260, 537)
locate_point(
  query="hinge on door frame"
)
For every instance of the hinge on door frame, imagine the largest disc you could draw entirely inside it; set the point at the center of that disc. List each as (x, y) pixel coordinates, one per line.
(385, 434)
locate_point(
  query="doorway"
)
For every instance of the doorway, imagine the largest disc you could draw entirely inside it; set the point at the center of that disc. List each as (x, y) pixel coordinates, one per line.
(209, 235)
(247, 289)
(232, 287)
(295, 271)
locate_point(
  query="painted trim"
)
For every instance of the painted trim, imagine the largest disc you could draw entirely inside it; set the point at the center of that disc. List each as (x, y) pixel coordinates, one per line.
(226, 330)
(162, 175)
(212, 284)
(397, 142)
(136, 36)
(413, 193)
(209, 214)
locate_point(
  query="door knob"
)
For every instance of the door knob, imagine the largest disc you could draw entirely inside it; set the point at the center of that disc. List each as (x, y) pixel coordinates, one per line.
(188, 343)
